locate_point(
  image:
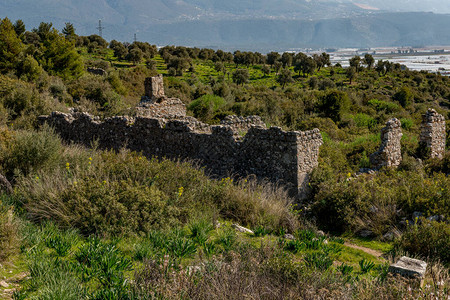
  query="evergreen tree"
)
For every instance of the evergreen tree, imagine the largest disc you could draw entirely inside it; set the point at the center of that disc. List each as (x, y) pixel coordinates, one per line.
(10, 46)
(69, 31)
(19, 28)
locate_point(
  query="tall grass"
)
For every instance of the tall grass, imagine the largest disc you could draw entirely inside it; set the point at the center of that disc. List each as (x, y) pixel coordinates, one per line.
(109, 193)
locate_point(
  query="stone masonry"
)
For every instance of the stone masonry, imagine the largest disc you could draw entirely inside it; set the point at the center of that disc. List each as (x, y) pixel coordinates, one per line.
(156, 104)
(154, 87)
(389, 154)
(279, 156)
(433, 133)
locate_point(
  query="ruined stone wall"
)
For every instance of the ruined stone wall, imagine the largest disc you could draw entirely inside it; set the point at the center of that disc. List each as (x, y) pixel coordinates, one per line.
(170, 108)
(389, 154)
(242, 124)
(433, 133)
(279, 156)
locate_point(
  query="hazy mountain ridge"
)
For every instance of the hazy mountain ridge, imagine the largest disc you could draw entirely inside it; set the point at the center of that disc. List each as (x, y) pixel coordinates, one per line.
(242, 23)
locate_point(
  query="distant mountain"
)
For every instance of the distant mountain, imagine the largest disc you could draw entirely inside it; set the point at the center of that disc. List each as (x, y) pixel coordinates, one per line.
(247, 24)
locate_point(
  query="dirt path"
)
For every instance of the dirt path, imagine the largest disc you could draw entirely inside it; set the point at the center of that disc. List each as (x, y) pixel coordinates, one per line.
(372, 252)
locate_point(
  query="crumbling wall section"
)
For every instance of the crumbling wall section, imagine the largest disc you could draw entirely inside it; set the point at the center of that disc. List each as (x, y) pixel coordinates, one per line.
(433, 133)
(274, 154)
(242, 124)
(170, 108)
(389, 153)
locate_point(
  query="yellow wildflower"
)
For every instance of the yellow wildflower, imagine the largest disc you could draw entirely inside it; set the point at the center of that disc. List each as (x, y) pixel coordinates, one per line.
(180, 192)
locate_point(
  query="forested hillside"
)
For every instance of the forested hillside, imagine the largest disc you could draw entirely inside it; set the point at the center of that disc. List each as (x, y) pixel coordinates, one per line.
(87, 223)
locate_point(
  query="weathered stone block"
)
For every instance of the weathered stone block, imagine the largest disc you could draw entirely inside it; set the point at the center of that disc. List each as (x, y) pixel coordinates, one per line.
(154, 87)
(409, 267)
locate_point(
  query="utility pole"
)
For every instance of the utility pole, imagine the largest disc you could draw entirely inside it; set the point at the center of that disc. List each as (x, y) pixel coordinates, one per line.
(135, 39)
(100, 28)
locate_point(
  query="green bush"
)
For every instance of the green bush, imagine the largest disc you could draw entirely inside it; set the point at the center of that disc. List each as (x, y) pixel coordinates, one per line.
(428, 239)
(206, 106)
(363, 120)
(138, 195)
(31, 151)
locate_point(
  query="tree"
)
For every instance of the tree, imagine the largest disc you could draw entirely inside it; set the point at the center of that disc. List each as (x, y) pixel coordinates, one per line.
(355, 62)
(179, 64)
(56, 54)
(240, 76)
(10, 46)
(368, 60)
(219, 67)
(304, 64)
(321, 60)
(287, 59)
(277, 66)
(284, 77)
(69, 31)
(120, 51)
(135, 55)
(272, 57)
(404, 96)
(265, 69)
(351, 73)
(19, 28)
(334, 104)
(44, 30)
(380, 67)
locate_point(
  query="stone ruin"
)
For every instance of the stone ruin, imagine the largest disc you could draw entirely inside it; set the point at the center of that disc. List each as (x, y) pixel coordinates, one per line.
(433, 133)
(432, 136)
(389, 154)
(156, 104)
(273, 154)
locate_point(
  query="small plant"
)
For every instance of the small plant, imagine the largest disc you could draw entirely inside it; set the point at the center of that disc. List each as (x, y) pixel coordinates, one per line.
(181, 247)
(61, 245)
(209, 248)
(345, 269)
(383, 271)
(319, 260)
(260, 231)
(366, 265)
(227, 238)
(294, 246)
(305, 235)
(199, 231)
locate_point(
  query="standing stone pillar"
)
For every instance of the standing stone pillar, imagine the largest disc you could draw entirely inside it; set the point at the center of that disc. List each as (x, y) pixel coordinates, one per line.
(154, 87)
(389, 154)
(433, 134)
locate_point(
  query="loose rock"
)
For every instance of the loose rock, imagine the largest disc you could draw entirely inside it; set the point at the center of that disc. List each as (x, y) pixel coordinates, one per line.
(242, 229)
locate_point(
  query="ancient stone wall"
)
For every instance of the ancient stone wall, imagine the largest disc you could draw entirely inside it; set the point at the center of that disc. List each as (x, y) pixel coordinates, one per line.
(169, 108)
(242, 124)
(389, 154)
(274, 154)
(433, 133)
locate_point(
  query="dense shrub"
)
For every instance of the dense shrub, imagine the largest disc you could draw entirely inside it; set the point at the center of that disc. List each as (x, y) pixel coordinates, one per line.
(428, 239)
(372, 202)
(206, 106)
(30, 151)
(137, 195)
